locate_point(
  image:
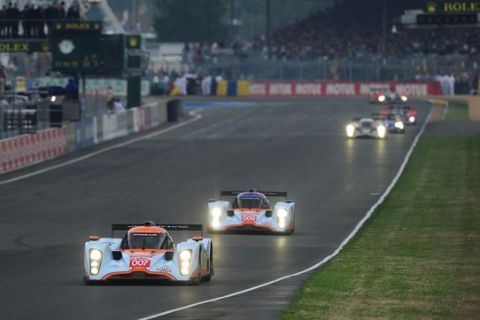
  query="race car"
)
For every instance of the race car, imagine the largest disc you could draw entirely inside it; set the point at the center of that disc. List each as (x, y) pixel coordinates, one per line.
(382, 95)
(147, 251)
(409, 113)
(394, 122)
(250, 211)
(368, 127)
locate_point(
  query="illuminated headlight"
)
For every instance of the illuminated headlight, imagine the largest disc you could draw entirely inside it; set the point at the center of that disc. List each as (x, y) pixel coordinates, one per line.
(381, 98)
(411, 119)
(399, 125)
(282, 215)
(95, 256)
(53, 98)
(216, 213)
(185, 257)
(403, 98)
(350, 130)
(381, 131)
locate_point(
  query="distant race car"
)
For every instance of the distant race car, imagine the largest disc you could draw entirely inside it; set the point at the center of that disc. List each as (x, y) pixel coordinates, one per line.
(409, 113)
(382, 95)
(395, 123)
(251, 211)
(368, 127)
(147, 251)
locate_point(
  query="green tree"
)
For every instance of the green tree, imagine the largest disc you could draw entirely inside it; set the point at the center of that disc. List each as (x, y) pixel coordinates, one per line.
(190, 20)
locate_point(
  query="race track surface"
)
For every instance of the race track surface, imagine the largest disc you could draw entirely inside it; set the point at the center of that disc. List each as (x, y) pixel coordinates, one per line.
(293, 145)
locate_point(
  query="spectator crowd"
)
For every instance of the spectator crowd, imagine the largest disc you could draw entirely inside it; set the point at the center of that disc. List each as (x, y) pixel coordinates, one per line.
(34, 20)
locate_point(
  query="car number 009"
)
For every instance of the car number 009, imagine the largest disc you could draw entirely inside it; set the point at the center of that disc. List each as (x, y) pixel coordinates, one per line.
(249, 218)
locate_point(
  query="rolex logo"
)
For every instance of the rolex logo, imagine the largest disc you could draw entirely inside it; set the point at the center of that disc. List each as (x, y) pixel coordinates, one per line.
(133, 42)
(431, 7)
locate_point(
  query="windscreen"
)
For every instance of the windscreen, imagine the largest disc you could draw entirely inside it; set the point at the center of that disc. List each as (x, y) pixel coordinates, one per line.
(251, 200)
(366, 124)
(145, 240)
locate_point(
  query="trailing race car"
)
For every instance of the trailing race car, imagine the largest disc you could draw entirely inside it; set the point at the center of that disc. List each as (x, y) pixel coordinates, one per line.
(251, 211)
(368, 127)
(394, 122)
(382, 95)
(147, 251)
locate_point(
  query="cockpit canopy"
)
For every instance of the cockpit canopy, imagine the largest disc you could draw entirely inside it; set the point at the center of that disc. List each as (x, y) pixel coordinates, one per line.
(146, 240)
(251, 200)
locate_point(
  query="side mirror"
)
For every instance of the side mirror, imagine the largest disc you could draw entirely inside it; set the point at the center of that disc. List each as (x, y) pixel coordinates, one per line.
(168, 255)
(117, 255)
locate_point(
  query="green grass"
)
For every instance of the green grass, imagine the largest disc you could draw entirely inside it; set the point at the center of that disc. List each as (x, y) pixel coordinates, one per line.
(457, 110)
(418, 257)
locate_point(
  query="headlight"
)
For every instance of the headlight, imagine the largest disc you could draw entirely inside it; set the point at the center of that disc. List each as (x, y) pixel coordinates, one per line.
(381, 98)
(399, 125)
(282, 215)
(53, 98)
(381, 131)
(350, 130)
(95, 256)
(403, 98)
(184, 261)
(216, 212)
(411, 119)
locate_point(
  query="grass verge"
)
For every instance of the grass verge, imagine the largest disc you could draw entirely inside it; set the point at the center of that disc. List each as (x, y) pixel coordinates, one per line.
(457, 110)
(419, 254)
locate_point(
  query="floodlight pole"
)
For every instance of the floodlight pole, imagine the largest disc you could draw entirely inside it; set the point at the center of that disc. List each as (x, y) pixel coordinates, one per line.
(268, 31)
(232, 21)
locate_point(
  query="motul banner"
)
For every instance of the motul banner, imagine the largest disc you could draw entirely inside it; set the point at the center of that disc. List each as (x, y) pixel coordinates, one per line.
(338, 88)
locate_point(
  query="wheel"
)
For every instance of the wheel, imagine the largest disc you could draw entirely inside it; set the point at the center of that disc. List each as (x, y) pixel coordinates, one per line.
(210, 265)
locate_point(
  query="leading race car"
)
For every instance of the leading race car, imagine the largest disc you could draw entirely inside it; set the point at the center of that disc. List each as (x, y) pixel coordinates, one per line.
(147, 251)
(251, 211)
(367, 127)
(383, 95)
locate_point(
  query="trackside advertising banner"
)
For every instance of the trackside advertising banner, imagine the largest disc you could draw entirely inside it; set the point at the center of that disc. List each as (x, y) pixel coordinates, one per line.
(337, 88)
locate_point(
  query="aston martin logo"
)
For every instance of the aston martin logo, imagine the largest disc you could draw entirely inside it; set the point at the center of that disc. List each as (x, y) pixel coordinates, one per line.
(431, 7)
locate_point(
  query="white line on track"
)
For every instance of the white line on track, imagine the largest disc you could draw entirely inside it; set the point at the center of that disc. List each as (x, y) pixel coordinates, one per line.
(196, 116)
(324, 260)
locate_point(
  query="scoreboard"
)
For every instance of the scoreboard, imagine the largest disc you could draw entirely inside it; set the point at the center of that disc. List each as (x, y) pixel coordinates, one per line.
(80, 47)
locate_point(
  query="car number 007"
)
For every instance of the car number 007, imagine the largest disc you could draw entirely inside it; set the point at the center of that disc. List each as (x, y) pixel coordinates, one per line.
(140, 263)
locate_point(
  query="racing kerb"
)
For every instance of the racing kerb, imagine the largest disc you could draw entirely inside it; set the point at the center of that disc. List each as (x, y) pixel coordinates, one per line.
(29, 149)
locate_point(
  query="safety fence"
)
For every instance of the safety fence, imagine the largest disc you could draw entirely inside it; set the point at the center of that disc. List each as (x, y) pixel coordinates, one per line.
(322, 88)
(28, 149)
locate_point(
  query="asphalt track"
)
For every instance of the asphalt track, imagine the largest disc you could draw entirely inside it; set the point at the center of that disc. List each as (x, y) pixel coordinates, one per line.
(285, 145)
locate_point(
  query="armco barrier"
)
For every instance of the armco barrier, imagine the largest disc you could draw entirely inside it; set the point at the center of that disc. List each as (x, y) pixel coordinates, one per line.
(337, 88)
(25, 150)
(29, 149)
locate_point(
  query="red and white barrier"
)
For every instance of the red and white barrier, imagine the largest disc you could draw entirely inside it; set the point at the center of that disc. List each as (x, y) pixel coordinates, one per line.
(338, 88)
(25, 150)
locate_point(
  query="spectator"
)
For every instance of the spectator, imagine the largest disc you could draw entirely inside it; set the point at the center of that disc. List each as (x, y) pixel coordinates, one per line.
(73, 12)
(118, 105)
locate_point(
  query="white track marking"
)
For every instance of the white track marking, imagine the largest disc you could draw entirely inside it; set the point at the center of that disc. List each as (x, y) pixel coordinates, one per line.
(196, 116)
(324, 260)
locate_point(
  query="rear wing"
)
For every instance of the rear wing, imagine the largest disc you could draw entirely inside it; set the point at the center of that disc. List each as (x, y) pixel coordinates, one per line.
(175, 227)
(266, 193)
